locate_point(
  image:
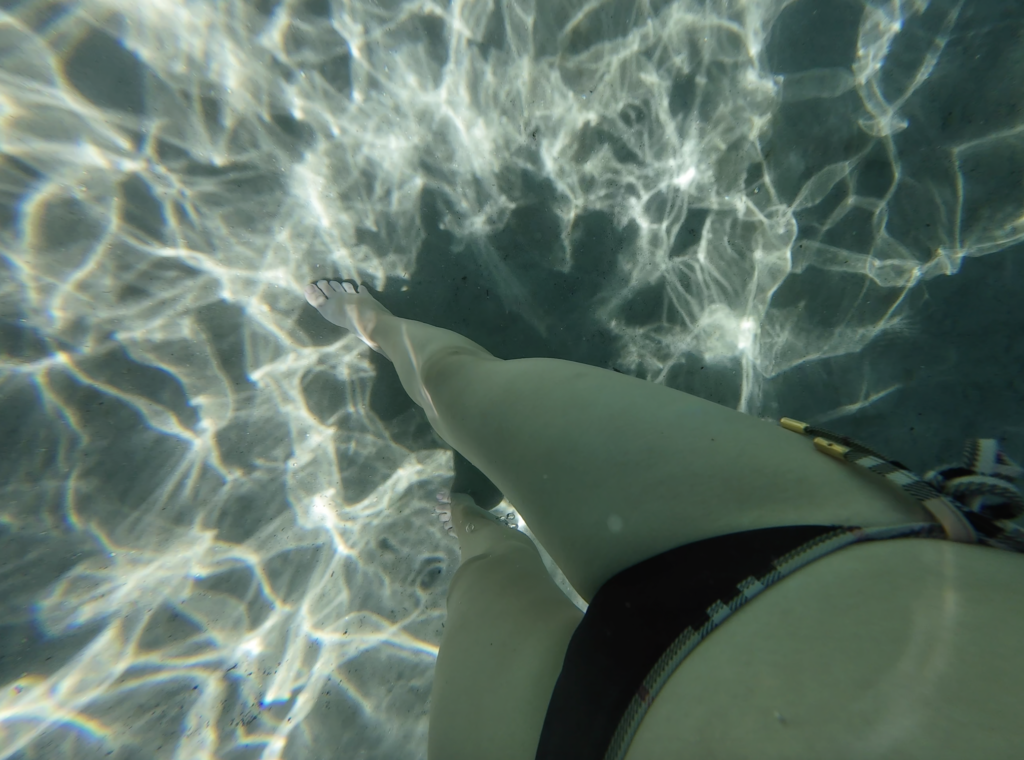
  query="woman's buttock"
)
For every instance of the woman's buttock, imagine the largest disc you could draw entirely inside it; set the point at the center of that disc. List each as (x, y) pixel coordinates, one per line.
(895, 649)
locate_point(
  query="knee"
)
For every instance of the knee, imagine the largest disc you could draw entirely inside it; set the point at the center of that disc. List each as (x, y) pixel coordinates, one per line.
(449, 364)
(448, 380)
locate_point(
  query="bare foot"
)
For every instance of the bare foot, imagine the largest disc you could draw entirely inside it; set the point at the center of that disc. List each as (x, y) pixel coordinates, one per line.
(477, 530)
(444, 512)
(346, 306)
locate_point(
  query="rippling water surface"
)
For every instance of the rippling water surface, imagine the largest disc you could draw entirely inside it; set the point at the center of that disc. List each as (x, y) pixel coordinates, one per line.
(216, 526)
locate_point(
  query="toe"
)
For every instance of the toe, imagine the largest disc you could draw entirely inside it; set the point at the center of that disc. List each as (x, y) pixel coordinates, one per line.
(350, 288)
(336, 286)
(314, 296)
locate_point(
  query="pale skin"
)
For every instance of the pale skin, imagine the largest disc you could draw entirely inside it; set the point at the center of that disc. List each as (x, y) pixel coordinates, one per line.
(898, 649)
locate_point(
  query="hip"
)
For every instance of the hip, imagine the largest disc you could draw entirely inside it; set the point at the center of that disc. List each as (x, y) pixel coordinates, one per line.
(895, 648)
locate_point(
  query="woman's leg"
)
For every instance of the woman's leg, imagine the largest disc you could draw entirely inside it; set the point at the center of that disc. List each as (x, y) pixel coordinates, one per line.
(506, 632)
(606, 469)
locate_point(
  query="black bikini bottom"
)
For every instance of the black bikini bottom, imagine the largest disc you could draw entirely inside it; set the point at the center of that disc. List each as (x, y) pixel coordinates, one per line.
(645, 620)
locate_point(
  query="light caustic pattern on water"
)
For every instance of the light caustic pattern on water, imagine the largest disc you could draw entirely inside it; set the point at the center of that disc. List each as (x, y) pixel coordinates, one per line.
(210, 544)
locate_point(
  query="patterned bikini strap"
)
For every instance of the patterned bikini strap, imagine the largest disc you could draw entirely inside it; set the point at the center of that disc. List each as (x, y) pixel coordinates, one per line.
(975, 501)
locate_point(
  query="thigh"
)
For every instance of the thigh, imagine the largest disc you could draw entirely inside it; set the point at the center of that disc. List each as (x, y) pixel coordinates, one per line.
(506, 632)
(608, 470)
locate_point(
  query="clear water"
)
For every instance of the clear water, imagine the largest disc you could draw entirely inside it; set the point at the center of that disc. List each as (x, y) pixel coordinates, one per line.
(216, 528)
